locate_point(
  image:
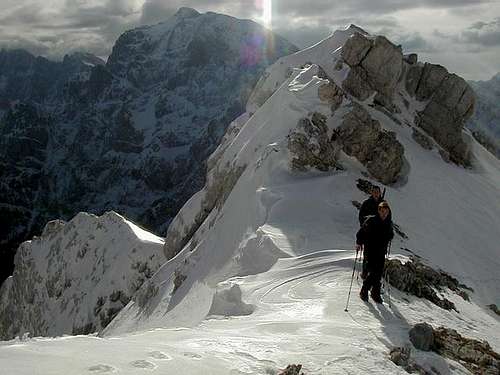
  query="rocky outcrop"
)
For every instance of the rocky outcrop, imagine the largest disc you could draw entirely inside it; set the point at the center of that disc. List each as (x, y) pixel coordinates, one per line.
(292, 370)
(478, 357)
(401, 356)
(415, 278)
(376, 66)
(331, 94)
(422, 139)
(311, 147)
(378, 150)
(219, 185)
(450, 103)
(422, 336)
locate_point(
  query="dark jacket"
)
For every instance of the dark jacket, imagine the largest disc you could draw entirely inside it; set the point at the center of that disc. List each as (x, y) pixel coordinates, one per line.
(368, 208)
(375, 235)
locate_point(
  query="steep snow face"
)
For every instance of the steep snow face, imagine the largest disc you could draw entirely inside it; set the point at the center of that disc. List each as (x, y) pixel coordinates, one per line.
(133, 135)
(239, 227)
(486, 118)
(77, 276)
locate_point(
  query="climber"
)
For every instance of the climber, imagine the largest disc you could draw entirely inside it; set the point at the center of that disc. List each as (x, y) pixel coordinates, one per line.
(375, 235)
(369, 208)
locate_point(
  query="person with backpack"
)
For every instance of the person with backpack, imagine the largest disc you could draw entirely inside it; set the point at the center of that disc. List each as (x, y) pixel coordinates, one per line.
(375, 235)
(369, 208)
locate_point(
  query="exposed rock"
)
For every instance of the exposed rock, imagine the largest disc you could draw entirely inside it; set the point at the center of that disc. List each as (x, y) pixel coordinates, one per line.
(494, 308)
(417, 279)
(356, 49)
(311, 147)
(332, 94)
(292, 370)
(411, 58)
(422, 139)
(376, 64)
(357, 84)
(422, 336)
(365, 186)
(402, 357)
(218, 187)
(377, 149)
(450, 104)
(478, 357)
(179, 278)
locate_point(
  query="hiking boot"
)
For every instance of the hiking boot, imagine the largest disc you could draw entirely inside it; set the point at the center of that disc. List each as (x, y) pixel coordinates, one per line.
(363, 294)
(376, 297)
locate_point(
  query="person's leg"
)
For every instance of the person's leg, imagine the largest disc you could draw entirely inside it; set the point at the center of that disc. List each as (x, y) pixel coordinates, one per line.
(368, 279)
(376, 276)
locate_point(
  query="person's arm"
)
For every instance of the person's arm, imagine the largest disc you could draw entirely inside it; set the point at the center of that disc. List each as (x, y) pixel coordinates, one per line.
(362, 213)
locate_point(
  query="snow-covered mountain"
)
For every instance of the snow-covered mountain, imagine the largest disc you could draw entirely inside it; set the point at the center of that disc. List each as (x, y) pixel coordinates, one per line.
(77, 276)
(260, 260)
(132, 135)
(486, 119)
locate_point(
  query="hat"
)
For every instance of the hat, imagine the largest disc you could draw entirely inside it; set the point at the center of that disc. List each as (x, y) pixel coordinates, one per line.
(384, 204)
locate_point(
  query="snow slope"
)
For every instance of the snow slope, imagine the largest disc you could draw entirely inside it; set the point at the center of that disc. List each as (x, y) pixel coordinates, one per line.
(263, 281)
(77, 276)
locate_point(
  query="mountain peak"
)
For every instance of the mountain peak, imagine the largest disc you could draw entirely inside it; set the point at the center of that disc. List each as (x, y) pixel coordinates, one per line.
(186, 12)
(352, 27)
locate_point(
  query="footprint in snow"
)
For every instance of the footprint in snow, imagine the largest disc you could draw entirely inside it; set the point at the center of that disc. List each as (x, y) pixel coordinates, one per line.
(159, 355)
(101, 369)
(141, 363)
(192, 355)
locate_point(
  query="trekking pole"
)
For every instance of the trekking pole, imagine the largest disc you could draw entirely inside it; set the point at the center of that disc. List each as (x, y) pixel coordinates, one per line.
(352, 278)
(387, 275)
(361, 254)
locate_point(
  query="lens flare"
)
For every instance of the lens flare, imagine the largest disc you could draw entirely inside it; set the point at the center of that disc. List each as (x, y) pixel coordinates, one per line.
(267, 13)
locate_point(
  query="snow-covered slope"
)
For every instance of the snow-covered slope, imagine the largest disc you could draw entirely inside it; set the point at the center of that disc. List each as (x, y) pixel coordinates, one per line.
(263, 255)
(77, 276)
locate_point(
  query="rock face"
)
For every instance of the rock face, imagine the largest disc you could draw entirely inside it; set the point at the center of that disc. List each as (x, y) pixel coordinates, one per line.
(450, 104)
(420, 280)
(77, 276)
(132, 135)
(310, 145)
(362, 137)
(376, 65)
(422, 336)
(478, 357)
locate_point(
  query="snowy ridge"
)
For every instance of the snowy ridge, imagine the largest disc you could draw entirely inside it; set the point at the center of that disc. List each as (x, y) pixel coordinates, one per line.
(77, 275)
(266, 253)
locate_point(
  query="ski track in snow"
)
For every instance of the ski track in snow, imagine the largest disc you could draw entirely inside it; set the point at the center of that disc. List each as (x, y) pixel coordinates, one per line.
(299, 314)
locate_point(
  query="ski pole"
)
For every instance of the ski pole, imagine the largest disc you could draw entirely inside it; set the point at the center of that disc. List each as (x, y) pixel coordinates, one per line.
(360, 256)
(388, 275)
(352, 278)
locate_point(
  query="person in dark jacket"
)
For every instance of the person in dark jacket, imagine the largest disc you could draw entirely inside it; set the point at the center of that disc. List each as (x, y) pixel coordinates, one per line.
(369, 208)
(375, 235)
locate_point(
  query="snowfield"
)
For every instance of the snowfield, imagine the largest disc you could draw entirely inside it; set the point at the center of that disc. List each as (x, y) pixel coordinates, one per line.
(268, 272)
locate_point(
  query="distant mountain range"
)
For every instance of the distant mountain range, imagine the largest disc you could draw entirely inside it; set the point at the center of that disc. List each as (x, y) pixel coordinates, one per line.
(485, 123)
(131, 134)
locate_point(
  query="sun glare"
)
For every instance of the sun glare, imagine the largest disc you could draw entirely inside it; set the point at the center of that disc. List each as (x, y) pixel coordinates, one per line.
(267, 12)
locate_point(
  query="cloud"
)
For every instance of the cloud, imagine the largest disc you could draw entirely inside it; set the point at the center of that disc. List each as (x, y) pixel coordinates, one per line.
(55, 27)
(485, 34)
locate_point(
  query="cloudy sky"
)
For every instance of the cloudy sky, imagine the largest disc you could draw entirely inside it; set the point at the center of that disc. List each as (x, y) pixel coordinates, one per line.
(463, 35)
